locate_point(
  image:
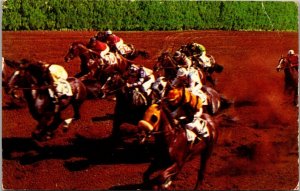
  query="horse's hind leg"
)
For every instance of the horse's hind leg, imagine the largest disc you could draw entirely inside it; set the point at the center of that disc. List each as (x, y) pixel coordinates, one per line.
(164, 179)
(76, 107)
(57, 120)
(204, 158)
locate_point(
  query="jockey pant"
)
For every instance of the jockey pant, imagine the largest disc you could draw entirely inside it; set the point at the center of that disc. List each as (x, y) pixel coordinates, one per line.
(198, 126)
(147, 84)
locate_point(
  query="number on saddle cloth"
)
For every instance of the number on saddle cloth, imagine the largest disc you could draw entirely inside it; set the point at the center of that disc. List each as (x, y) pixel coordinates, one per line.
(64, 88)
(111, 58)
(125, 49)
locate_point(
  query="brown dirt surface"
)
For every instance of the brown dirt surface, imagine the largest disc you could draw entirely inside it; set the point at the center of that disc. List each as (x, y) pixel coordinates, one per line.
(258, 144)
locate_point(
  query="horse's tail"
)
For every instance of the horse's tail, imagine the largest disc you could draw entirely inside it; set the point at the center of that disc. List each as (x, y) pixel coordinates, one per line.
(144, 54)
(218, 68)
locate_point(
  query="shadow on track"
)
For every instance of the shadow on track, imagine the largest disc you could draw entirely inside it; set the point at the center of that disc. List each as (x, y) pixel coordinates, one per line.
(79, 155)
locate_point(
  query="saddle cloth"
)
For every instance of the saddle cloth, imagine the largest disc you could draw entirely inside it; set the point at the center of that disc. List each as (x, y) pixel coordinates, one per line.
(110, 58)
(124, 49)
(63, 87)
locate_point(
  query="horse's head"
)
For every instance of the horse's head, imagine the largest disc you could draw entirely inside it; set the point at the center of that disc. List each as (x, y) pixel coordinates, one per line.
(113, 83)
(28, 74)
(151, 119)
(166, 63)
(75, 49)
(282, 64)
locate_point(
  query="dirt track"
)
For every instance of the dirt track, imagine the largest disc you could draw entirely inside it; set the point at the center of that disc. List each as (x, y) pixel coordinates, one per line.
(257, 151)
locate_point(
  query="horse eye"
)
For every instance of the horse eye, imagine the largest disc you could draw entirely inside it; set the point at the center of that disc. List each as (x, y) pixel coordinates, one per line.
(153, 118)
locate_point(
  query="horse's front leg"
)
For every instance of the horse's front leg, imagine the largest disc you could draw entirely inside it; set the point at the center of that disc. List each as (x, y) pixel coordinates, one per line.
(203, 161)
(150, 170)
(40, 130)
(57, 120)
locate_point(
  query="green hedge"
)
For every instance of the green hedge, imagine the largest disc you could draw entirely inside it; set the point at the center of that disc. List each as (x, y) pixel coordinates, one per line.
(128, 15)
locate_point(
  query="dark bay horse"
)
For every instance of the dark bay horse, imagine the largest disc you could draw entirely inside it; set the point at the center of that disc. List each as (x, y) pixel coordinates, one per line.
(173, 149)
(169, 66)
(126, 110)
(16, 97)
(290, 77)
(30, 78)
(190, 51)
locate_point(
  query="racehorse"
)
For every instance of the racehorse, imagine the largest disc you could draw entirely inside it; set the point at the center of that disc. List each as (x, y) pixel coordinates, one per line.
(79, 49)
(173, 148)
(190, 51)
(30, 78)
(169, 66)
(130, 105)
(92, 71)
(16, 98)
(290, 77)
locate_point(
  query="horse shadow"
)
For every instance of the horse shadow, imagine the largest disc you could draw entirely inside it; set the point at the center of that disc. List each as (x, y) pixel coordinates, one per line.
(81, 154)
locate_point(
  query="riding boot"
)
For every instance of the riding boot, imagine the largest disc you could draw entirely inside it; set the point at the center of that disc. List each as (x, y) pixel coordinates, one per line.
(56, 103)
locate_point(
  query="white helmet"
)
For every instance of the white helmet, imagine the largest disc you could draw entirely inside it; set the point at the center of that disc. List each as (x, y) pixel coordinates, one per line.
(182, 72)
(108, 32)
(290, 52)
(177, 54)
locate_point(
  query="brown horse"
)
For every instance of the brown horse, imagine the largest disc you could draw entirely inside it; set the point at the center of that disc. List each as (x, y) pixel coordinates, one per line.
(290, 77)
(94, 70)
(173, 148)
(31, 79)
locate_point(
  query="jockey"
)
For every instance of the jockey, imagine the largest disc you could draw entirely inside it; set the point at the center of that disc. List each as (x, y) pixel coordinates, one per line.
(140, 78)
(293, 59)
(115, 42)
(98, 47)
(182, 60)
(199, 52)
(190, 106)
(190, 79)
(60, 86)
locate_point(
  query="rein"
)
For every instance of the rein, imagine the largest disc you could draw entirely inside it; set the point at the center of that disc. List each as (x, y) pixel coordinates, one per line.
(32, 88)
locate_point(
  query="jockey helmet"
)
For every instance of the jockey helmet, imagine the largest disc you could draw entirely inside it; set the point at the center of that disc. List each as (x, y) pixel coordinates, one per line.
(182, 72)
(177, 54)
(291, 52)
(93, 39)
(108, 32)
(133, 71)
(24, 63)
